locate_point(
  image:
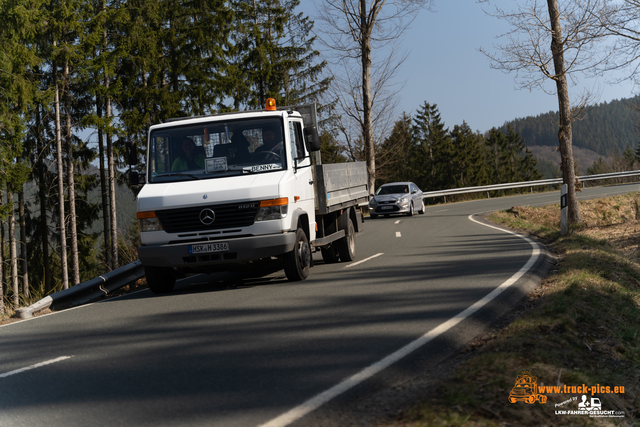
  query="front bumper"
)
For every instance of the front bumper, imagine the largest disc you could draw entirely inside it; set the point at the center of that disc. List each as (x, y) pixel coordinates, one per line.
(378, 209)
(241, 249)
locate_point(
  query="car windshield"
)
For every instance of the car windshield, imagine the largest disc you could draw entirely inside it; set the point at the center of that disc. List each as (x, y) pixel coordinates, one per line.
(393, 189)
(216, 149)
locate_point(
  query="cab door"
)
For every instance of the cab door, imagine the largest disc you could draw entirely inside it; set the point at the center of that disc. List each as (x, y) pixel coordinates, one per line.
(304, 175)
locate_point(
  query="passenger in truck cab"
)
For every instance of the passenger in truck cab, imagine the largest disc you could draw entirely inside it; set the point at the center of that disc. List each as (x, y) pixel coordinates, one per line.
(239, 148)
(271, 149)
(189, 156)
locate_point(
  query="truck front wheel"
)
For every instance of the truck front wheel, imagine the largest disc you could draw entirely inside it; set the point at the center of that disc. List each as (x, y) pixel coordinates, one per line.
(298, 261)
(160, 279)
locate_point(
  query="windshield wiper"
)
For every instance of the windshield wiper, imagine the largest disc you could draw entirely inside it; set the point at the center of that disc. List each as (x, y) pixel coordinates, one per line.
(180, 174)
(241, 169)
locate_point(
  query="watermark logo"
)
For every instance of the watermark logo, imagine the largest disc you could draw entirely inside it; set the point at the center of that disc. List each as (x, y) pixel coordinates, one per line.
(589, 406)
(526, 390)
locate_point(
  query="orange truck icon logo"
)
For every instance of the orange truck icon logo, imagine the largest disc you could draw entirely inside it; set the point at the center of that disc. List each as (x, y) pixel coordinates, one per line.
(526, 390)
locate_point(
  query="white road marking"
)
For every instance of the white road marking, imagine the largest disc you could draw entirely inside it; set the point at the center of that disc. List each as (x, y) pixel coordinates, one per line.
(398, 234)
(364, 260)
(37, 365)
(322, 398)
(397, 222)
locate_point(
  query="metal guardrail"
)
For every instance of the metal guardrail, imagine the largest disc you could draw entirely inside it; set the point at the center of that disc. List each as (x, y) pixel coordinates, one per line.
(88, 291)
(511, 185)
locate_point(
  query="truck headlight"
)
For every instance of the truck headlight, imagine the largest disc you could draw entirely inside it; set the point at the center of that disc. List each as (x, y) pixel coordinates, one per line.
(148, 221)
(273, 209)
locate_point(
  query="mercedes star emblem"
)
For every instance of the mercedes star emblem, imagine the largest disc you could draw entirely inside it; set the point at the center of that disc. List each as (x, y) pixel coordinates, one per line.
(207, 216)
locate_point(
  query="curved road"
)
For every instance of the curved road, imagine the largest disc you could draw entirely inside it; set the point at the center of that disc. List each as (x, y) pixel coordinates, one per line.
(231, 350)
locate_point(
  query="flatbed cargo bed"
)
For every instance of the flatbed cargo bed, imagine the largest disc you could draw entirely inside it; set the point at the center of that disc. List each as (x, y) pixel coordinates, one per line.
(339, 186)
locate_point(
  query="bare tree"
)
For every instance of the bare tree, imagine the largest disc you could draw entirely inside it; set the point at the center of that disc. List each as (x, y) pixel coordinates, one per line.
(23, 243)
(75, 262)
(12, 247)
(60, 173)
(549, 43)
(357, 30)
(622, 20)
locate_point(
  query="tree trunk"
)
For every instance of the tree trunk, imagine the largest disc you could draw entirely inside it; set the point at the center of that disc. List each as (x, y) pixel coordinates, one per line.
(71, 185)
(23, 244)
(42, 192)
(3, 254)
(60, 173)
(112, 170)
(2, 311)
(12, 249)
(112, 196)
(106, 211)
(367, 125)
(564, 110)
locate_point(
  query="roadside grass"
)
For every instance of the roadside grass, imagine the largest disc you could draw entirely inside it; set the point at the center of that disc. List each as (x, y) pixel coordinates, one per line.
(581, 326)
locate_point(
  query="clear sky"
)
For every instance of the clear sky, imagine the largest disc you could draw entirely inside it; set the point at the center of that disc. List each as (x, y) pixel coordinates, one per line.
(444, 67)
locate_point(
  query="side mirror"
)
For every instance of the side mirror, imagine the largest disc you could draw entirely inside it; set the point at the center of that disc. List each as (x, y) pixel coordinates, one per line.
(135, 178)
(132, 153)
(311, 138)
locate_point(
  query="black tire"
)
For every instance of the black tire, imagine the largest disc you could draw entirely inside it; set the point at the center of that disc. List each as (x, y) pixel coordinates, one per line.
(160, 279)
(410, 213)
(298, 261)
(347, 245)
(421, 211)
(330, 254)
(372, 216)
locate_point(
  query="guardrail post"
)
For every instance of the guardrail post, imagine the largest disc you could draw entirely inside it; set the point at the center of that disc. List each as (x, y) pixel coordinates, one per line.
(563, 210)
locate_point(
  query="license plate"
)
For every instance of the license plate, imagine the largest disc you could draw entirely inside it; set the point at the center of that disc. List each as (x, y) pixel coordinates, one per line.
(209, 248)
(387, 208)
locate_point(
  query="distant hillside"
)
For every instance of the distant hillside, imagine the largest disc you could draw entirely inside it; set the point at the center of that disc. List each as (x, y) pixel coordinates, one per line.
(606, 129)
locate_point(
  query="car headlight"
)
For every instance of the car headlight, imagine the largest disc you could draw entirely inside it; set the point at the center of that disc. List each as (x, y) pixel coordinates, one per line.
(273, 209)
(373, 202)
(148, 221)
(403, 200)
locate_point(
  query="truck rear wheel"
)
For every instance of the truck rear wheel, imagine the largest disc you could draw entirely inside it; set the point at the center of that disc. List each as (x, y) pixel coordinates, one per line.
(298, 261)
(347, 245)
(330, 254)
(160, 279)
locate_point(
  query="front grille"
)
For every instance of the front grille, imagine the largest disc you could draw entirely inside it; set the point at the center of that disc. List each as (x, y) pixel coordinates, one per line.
(380, 210)
(231, 215)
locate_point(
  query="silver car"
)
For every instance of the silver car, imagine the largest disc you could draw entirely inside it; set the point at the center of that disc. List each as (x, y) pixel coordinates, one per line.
(396, 197)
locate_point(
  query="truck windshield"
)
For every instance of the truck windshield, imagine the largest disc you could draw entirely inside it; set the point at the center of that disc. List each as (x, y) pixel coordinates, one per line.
(216, 149)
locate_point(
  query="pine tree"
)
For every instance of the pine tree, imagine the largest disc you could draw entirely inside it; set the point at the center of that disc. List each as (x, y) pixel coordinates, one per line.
(468, 157)
(20, 21)
(433, 159)
(394, 157)
(271, 55)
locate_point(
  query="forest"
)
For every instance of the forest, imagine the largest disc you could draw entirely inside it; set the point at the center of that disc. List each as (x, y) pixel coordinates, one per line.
(81, 80)
(608, 128)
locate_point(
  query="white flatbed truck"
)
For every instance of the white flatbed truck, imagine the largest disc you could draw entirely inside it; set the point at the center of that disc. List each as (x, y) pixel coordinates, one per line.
(243, 199)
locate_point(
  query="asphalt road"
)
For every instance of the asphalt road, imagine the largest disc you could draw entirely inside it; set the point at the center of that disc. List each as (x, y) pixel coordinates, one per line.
(233, 350)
